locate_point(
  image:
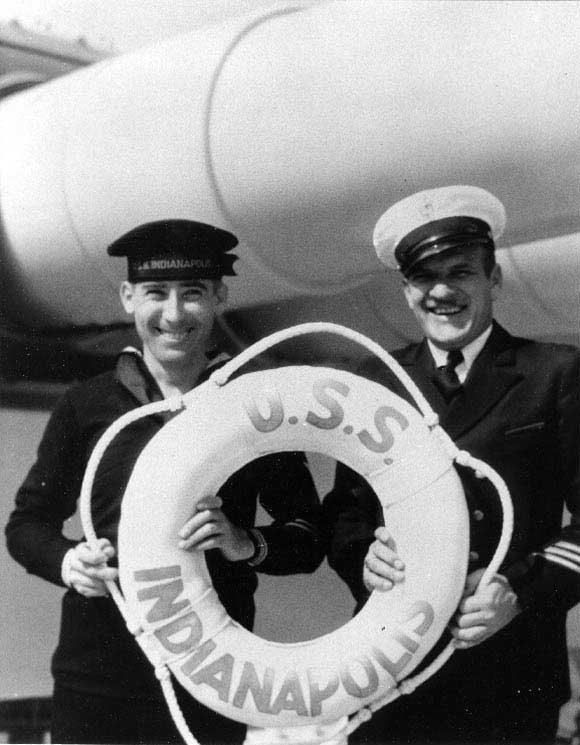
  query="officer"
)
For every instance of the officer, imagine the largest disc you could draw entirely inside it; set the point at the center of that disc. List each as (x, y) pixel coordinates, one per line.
(105, 689)
(515, 404)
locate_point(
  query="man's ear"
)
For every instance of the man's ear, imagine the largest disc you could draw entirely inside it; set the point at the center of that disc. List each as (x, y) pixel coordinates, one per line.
(407, 291)
(127, 295)
(221, 293)
(496, 278)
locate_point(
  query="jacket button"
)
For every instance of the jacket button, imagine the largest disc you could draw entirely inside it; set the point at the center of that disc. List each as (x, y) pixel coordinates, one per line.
(478, 515)
(473, 556)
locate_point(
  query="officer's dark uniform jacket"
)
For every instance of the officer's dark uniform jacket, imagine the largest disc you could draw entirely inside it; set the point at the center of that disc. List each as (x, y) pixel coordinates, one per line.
(519, 411)
(96, 653)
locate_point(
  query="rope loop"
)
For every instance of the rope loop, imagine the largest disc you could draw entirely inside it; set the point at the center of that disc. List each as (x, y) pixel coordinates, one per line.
(463, 458)
(221, 376)
(162, 672)
(406, 687)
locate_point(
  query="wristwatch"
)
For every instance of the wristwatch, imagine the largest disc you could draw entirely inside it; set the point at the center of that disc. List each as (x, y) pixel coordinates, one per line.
(260, 547)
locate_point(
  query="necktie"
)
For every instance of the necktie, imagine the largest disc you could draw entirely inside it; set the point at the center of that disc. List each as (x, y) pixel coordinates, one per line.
(445, 378)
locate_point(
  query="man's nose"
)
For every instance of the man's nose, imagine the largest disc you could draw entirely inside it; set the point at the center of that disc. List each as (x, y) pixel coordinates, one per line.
(173, 307)
(441, 289)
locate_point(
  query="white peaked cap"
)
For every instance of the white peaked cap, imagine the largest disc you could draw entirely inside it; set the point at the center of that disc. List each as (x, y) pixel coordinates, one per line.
(425, 207)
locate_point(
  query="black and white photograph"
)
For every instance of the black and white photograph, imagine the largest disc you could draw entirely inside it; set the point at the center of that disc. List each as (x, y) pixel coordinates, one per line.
(290, 372)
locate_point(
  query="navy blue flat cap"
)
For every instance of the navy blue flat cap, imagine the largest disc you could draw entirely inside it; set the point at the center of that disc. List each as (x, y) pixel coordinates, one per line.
(176, 249)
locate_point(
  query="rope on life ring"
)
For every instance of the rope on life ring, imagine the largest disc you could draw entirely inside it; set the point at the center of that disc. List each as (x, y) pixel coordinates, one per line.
(168, 601)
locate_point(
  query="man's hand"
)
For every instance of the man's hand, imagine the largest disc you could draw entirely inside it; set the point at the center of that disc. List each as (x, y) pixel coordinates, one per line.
(210, 528)
(382, 567)
(482, 613)
(87, 570)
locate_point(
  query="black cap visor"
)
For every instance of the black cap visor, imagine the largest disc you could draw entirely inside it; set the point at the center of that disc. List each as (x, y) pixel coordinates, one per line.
(438, 236)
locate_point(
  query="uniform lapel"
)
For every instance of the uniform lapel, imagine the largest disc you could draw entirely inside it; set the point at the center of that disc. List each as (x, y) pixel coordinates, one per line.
(492, 375)
(418, 363)
(133, 374)
(131, 371)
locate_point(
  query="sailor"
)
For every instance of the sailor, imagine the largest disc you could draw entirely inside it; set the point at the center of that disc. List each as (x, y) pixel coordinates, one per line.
(105, 689)
(515, 404)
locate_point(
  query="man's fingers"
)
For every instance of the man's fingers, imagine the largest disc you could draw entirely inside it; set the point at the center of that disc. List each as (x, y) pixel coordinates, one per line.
(105, 545)
(211, 502)
(203, 533)
(88, 568)
(87, 586)
(104, 573)
(384, 568)
(208, 544)
(465, 644)
(471, 636)
(81, 580)
(386, 555)
(380, 576)
(196, 523)
(100, 570)
(91, 556)
(484, 613)
(90, 573)
(372, 581)
(91, 591)
(470, 620)
(383, 535)
(471, 604)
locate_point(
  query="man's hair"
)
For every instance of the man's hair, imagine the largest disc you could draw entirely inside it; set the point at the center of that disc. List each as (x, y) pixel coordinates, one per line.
(488, 260)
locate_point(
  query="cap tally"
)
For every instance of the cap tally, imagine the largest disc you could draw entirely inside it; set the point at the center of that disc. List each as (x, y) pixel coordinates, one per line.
(176, 249)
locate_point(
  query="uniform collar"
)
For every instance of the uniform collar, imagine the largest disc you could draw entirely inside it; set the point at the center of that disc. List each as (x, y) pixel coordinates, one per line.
(493, 374)
(501, 347)
(470, 352)
(132, 372)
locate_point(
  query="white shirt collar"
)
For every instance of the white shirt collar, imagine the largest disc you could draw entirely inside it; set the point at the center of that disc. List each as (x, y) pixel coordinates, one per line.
(470, 352)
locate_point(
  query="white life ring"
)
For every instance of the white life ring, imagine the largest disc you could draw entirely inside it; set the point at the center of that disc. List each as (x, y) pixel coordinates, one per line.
(169, 594)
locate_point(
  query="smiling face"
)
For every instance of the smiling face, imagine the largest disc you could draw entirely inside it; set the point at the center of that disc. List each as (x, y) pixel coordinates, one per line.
(452, 294)
(173, 319)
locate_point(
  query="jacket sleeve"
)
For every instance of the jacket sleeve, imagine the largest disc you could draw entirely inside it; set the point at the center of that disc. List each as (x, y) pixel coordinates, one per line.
(549, 578)
(351, 511)
(351, 514)
(47, 498)
(293, 542)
